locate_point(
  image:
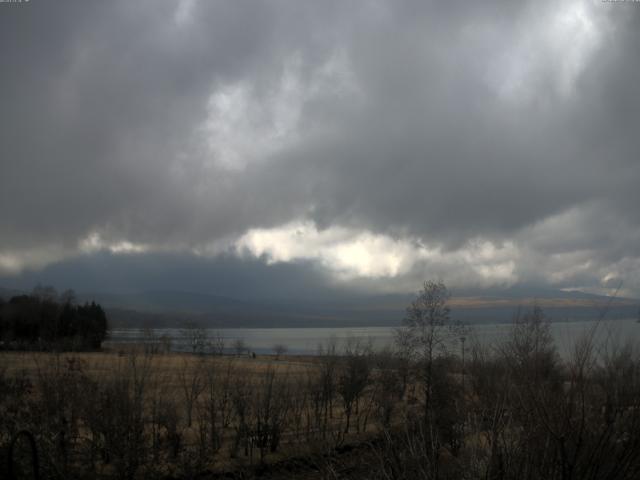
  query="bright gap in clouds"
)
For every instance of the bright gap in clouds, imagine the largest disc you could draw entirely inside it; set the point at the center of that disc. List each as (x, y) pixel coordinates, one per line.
(361, 254)
(245, 126)
(344, 251)
(552, 51)
(95, 243)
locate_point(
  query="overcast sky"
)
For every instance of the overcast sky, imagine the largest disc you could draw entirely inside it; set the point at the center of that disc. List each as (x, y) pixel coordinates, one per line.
(375, 144)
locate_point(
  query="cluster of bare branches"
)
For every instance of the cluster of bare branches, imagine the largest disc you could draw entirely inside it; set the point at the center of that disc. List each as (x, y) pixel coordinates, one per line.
(524, 412)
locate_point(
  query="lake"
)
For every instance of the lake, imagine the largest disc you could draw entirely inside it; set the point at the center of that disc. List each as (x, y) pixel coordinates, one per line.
(305, 341)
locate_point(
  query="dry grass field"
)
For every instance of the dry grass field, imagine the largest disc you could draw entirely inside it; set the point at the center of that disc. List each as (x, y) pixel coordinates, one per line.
(98, 364)
(182, 413)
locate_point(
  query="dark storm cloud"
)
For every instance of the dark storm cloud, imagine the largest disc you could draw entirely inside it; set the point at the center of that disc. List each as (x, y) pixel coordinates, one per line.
(436, 121)
(98, 100)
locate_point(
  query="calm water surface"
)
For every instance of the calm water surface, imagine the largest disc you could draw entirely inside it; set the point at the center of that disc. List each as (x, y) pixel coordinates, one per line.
(306, 340)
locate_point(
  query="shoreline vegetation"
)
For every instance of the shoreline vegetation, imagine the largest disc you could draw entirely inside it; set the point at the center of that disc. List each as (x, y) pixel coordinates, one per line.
(45, 320)
(422, 409)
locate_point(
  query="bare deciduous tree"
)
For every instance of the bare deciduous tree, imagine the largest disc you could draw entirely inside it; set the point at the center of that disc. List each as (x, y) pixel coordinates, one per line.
(195, 337)
(192, 383)
(240, 346)
(218, 343)
(279, 349)
(427, 329)
(354, 376)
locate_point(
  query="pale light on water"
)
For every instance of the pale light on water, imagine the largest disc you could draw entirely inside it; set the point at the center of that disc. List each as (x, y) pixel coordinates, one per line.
(306, 340)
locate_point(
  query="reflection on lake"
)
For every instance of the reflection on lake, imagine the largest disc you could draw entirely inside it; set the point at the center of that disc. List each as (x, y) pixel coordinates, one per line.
(306, 340)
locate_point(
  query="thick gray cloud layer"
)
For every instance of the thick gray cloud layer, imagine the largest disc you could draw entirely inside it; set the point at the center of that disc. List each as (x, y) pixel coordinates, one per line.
(184, 125)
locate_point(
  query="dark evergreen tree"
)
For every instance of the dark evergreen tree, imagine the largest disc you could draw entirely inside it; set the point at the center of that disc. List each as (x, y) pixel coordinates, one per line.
(41, 320)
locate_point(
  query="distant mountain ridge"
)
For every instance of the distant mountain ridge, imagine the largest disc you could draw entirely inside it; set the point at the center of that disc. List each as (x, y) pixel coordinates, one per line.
(173, 308)
(169, 307)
